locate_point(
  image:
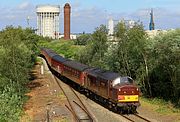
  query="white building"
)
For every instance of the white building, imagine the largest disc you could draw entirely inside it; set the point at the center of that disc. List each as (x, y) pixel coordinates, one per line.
(72, 36)
(48, 20)
(112, 23)
(110, 27)
(153, 33)
(129, 23)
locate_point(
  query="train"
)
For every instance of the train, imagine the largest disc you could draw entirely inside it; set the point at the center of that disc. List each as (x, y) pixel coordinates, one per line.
(119, 93)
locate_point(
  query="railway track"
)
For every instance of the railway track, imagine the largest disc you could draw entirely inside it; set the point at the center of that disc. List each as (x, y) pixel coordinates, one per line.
(76, 106)
(135, 118)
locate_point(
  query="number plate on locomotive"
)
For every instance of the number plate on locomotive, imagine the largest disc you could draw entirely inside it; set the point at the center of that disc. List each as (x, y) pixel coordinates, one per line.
(128, 98)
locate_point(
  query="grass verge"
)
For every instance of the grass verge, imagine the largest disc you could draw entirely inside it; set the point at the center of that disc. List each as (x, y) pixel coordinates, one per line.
(159, 105)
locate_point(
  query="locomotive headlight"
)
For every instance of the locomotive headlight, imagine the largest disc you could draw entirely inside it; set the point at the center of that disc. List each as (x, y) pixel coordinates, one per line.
(137, 89)
(119, 89)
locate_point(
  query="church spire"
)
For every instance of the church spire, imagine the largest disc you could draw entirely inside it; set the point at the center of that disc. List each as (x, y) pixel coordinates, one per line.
(151, 24)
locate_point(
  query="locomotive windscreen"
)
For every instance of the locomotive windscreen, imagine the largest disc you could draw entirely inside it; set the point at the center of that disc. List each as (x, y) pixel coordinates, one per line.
(122, 80)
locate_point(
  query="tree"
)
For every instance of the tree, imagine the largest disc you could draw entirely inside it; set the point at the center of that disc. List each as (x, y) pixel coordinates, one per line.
(129, 55)
(17, 51)
(95, 50)
(83, 39)
(120, 30)
(166, 66)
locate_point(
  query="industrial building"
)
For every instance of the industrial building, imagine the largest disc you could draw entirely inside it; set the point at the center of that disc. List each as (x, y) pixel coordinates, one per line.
(48, 20)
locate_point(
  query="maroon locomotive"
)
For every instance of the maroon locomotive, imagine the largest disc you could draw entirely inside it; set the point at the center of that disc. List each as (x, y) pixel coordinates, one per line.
(108, 87)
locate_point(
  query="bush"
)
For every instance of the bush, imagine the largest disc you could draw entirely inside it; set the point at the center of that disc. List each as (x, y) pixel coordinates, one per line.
(11, 104)
(62, 47)
(83, 39)
(18, 53)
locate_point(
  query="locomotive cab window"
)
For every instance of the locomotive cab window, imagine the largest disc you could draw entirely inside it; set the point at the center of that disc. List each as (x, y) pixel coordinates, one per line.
(128, 80)
(123, 80)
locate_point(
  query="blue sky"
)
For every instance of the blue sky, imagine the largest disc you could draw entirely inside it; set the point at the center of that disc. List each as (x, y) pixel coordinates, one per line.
(86, 15)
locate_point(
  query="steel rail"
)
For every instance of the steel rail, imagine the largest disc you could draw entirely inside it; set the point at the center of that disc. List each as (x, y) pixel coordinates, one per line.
(82, 106)
(86, 110)
(72, 110)
(141, 117)
(138, 116)
(90, 118)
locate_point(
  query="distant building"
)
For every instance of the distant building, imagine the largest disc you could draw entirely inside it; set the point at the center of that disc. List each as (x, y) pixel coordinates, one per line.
(112, 23)
(110, 27)
(129, 23)
(72, 36)
(48, 20)
(153, 33)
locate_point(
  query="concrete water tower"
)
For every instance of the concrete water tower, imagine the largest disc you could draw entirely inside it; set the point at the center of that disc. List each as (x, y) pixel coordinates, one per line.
(48, 20)
(67, 12)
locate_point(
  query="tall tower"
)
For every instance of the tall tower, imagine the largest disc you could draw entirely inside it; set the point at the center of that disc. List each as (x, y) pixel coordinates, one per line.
(110, 27)
(151, 24)
(67, 12)
(48, 20)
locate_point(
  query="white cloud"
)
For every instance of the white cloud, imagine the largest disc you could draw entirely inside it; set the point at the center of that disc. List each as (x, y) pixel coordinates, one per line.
(87, 19)
(163, 18)
(24, 5)
(17, 15)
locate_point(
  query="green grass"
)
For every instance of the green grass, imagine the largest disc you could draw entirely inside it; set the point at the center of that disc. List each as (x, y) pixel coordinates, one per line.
(65, 48)
(39, 61)
(159, 105)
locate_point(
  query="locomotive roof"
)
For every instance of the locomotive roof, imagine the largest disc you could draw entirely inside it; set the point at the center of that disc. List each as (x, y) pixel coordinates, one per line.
(59, 58)
(103, 74)
(76, 65)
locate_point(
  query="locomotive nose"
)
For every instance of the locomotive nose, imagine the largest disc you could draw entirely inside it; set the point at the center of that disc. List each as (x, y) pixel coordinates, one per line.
(129, 90)
(128, 93)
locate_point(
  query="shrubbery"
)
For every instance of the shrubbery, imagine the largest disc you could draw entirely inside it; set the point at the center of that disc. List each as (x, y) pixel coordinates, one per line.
(83, 39)
(63, 47)
(18, 52)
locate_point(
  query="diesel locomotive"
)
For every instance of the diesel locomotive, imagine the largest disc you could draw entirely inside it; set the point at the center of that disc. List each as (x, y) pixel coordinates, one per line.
(115, 91)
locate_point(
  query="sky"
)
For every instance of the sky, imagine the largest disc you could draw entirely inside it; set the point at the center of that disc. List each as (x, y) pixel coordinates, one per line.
(86, 15)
